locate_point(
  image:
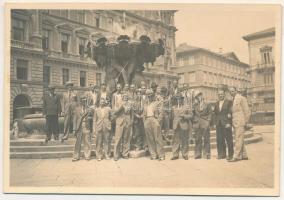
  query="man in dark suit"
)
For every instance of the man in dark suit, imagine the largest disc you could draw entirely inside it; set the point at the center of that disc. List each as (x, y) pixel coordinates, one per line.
(51, 111)
(223, 120)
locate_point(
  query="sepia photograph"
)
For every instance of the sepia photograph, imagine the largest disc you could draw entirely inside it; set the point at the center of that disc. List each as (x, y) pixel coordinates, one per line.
(167, 99)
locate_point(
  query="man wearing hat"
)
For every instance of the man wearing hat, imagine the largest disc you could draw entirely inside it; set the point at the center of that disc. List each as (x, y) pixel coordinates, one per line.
(51, 111)
(69, 97)
(201, 125)
(123, 116)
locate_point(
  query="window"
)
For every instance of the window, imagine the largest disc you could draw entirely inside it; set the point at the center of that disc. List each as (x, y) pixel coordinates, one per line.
(192, 77)
(81, 17)
(83, 79)
(97, 20)
(191, 60)
(110, 23)
(266, 54)
(82, 43)
(46, 75)
(185, 60)
(64, 42)
(65, 76)
(98, 78)
(181, 78)
(64, 13)
(22, 69)
(45, 39)
(266, 57)
(18, 29)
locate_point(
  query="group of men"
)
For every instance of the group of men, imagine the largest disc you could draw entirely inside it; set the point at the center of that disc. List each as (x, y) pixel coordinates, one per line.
(140, 117)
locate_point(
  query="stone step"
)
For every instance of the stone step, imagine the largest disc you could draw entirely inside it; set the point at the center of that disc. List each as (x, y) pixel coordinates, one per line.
(37, 145)
(68, 151)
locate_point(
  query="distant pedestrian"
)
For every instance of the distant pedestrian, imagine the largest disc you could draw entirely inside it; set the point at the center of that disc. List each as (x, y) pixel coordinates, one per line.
(51, 111)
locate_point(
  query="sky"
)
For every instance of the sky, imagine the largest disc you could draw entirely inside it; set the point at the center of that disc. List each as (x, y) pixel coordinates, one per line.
(218, 26)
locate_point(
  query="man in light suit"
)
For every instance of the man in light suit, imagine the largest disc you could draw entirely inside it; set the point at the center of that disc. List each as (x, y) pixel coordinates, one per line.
(69, 98)
(223, 121)
(123, 116)
(102, 123)
(182, 116)
(240, 116)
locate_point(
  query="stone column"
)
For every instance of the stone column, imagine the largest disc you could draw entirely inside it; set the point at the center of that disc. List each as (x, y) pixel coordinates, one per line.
(56, 40)
(36, 37)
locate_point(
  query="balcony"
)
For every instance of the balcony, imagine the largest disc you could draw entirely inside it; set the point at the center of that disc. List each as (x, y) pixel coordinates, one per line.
(264, 67)
(22, 44)
(69, 57)
(262, 88)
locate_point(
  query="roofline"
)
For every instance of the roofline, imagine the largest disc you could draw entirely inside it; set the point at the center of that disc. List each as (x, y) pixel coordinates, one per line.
(259, 34)
(213, 53)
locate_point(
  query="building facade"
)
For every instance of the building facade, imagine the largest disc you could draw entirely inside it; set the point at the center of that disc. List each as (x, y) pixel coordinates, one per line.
(205, 70)
(262, 68)
(48, 47)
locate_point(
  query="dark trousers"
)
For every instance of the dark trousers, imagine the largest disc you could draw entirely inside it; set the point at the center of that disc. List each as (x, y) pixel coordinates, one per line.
(138, 134)
(180, 143)
(52, 127)
(224, 136)
(202, 142)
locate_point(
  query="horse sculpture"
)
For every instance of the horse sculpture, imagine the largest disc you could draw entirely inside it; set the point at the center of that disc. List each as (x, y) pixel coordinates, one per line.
(123, 62)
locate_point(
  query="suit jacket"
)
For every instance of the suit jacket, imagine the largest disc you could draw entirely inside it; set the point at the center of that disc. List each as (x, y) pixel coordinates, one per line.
(108, 95)
(91, 101)
(223, 116)
(51, 105)
(67, 99)
(182, 118)
(116, 100)
(240, 111)
(102, 121)
(123, 114)
(202, 117)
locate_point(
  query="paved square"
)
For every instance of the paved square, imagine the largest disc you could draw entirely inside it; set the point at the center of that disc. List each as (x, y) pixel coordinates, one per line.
(257, 172)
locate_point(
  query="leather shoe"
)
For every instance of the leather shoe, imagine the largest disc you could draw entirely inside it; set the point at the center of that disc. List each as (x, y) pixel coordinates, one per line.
(162, 158)
(75, 159)
(234, 160)
(185, 157)
(245, 158)
(174, 158)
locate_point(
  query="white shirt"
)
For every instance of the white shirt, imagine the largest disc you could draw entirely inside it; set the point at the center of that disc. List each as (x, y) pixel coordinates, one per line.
(220, 105)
